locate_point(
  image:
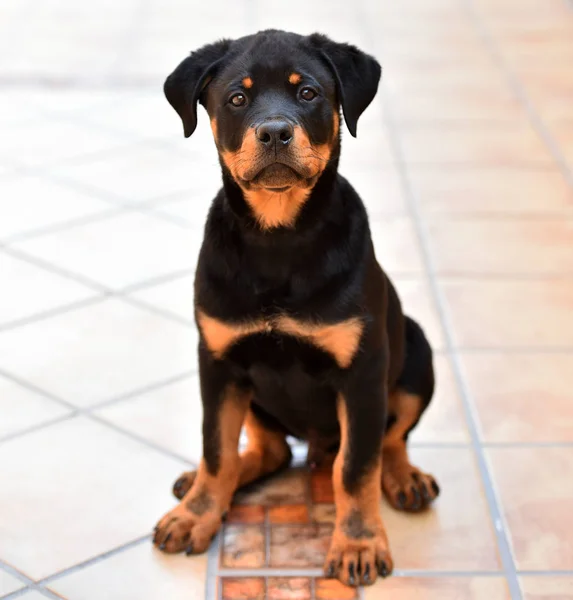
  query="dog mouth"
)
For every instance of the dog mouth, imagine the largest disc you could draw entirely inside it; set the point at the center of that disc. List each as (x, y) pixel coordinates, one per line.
(277, 177)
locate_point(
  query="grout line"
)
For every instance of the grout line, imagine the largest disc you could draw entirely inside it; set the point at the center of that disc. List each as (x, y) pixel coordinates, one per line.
(53, 312)
(91, 561)
(211, 588)
(62, 225)
(28, 583)
(503, 543)
(518, 89)
(38, 427)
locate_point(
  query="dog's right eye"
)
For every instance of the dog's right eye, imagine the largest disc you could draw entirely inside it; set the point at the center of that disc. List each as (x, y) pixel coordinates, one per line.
(238, 99)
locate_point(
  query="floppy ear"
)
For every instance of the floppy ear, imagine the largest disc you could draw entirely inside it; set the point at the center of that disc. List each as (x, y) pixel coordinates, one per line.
(184, 86)
(357, 75)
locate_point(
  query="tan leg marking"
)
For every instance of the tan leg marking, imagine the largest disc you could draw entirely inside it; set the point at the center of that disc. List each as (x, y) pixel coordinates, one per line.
(267, 451)
(359, 548)
(191, 525)
(341, 340)
(405, 486)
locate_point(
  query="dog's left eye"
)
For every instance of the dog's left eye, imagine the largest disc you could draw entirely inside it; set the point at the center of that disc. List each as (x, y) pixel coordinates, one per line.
(238, 99)
(308, 94)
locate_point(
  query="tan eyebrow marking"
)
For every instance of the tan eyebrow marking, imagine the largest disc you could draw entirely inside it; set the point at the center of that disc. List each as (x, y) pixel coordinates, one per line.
(248, 82)
(294, 78)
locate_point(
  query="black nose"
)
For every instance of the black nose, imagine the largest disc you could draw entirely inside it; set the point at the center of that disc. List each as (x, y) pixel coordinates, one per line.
(275, 133)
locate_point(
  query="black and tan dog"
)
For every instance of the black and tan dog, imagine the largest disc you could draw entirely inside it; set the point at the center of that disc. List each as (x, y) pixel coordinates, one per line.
(301, 332)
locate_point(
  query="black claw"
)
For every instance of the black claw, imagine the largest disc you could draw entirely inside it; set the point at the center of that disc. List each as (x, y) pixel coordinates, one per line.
(189, 549)
(425, 493)
(162, 546)
(382, 569)
(402, 499)
(351, 574)
(366, 576)
(435, 488)
(224, 516)
(331, 572)
(417, 503)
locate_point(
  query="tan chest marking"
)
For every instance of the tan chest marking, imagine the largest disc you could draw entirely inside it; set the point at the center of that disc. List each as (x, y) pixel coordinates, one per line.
(220, 336)
(340, 340)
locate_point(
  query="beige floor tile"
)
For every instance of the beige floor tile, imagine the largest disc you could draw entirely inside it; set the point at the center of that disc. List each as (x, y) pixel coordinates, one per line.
(98, 352)
(170, 417)
(428, 588)
(142, 172)
(396, 246)
(119, 251)
(51, 141)
(9, 584)
(192, 206)
(522, 397)
(468, 246)
(31, 290)
(20, 408)
(77, 489)
(491, 191)
(444, 420)
(550, 89)
(438, 538)
(536, 490)
(175, 296)
(139, 573)
(562, 132)
(547, 588)
(33, 595)
(510, 314)
(29, 203)
(380, 190)
(426, 107)
(478, 146)
(417, 302)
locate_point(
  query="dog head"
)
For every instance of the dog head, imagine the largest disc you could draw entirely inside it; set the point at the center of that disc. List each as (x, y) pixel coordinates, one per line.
(274, 101)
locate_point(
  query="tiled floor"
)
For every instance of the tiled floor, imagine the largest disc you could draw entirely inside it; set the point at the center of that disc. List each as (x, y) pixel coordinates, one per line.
(465, 162)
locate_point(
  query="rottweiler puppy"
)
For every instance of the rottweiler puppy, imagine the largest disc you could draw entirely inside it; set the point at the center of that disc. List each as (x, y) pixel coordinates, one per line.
(301, 332)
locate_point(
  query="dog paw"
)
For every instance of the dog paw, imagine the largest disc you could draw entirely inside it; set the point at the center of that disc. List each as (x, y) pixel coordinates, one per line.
(409, 489)
(189, 527)
(358, 561)
(184, 484)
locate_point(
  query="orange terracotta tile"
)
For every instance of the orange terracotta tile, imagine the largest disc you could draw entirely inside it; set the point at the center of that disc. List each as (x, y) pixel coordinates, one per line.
(510, 314)
(243, 588)
(288, 588)
(428, 588)
(246, 513)
(295, 513)
(536, 490)
(323, 513)
(243, 546)
(521, 397)
(491, 191)
(478, 146)
(438, 538)
(302, 546)
(478, 246)
(332, 589)
(547, 588)
(321, 487)
(287, 487)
